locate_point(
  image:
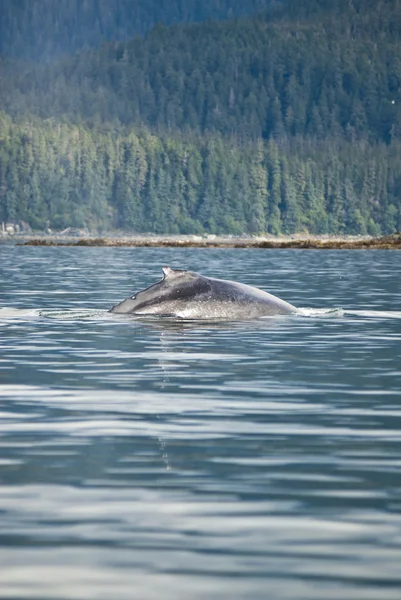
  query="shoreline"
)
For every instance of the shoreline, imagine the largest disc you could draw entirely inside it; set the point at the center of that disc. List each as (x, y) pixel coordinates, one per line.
(323, 242)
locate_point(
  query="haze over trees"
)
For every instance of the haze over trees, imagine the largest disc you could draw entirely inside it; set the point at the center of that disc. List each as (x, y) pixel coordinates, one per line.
(284, 121)
(43, 30)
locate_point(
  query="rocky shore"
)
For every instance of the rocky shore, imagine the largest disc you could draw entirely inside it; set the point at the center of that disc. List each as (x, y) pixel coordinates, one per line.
(212, 241)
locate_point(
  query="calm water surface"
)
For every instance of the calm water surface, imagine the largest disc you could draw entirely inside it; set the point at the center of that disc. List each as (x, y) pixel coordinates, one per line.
(186, 461)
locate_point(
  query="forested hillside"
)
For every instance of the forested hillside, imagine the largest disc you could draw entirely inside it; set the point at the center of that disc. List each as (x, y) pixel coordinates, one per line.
(285, 121)
(336, 75)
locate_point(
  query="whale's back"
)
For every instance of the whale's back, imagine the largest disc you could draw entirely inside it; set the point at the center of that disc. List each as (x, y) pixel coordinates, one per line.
(188, 295)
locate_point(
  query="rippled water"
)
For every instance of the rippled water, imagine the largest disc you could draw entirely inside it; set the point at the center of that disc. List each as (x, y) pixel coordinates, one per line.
(183, 460)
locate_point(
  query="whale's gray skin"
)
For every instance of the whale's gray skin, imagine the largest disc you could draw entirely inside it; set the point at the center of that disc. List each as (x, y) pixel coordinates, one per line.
(188, 295)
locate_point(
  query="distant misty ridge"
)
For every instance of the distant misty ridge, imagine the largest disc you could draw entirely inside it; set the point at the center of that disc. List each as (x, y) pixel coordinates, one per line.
(43, 30)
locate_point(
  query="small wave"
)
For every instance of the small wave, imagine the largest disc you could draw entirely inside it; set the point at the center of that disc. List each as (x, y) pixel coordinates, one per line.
(73, 314)
(7, 313)
(340, 312)
(320, 312)
(374, 314)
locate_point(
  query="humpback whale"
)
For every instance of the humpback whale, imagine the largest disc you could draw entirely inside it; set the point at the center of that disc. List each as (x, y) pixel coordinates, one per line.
(188, 295)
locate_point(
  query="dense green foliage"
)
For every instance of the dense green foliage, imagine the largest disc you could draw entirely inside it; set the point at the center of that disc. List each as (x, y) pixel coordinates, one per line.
(283, 123)
(54, 174)
(46, 29)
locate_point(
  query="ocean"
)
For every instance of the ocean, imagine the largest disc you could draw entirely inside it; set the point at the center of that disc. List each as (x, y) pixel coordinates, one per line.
(152, 458)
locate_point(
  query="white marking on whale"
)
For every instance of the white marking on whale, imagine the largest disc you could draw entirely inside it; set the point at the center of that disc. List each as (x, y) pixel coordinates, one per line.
(188, 295)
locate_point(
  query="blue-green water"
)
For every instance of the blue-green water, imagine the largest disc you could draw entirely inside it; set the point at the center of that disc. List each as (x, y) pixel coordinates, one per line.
(184, 461)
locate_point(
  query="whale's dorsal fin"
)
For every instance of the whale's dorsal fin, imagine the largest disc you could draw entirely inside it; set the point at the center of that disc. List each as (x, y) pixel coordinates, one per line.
(169, 273)
(179, 275)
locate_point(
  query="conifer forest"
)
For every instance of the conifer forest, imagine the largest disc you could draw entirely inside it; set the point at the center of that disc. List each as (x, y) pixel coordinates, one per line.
(201, 116)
